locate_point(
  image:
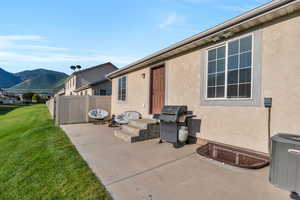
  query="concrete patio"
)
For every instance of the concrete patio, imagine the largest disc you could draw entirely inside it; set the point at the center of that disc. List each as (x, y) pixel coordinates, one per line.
(148, 170)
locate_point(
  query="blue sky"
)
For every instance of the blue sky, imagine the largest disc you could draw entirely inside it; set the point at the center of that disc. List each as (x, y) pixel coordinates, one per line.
(58, 33)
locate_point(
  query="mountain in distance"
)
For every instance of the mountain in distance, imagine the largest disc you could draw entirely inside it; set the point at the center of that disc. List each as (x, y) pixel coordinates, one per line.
(33, 80)
(39, 79)
(8, 79)
(30, 74)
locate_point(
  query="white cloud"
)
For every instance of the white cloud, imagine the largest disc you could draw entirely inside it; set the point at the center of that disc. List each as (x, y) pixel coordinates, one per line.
(22, 50)
(172, 19)
(21, 37)
(56, 58)
(39, 47)
(9, 45)
(16, 42)
(168, 20)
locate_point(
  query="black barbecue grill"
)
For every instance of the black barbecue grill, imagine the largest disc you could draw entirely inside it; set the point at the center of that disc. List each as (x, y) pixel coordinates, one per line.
(171, 114)
(172, 118)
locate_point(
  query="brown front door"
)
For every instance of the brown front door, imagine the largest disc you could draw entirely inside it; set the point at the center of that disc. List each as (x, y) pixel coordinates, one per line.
(157, 96)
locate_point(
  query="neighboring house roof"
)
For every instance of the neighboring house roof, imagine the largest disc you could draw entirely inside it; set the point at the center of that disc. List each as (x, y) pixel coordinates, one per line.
(61, 92)
(91, 85)
(90, 68)
(254, 17)
(99, 82)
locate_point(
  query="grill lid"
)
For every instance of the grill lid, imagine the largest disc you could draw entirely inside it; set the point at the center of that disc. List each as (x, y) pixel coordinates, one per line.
(174, 110)
(172, 113)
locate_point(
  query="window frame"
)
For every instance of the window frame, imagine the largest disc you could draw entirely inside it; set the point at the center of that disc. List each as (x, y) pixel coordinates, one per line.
(126, 86)
(97, 92)
(103, 93)
(225, 78)
(225, 43)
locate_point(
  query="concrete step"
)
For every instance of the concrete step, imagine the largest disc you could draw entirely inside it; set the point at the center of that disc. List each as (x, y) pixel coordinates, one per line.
(126, 136)
(142, 123)
(131, 129)
(139, 130)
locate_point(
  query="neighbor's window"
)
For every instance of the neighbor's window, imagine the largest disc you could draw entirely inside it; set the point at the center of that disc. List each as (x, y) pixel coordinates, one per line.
(237, 66)
(100, 92)
(122, 81)
(97, 92)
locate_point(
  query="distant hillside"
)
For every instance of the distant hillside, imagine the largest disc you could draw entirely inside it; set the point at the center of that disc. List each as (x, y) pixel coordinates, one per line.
(36, 80)
(8, 79)
(31, 74)
(44, 81)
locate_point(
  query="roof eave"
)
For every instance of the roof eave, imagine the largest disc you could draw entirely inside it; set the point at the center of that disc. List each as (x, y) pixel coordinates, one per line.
(209, 35)
(82, 88)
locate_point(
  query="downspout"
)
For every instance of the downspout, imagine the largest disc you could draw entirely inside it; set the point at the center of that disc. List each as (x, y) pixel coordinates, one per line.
(268, 105)
(269, 131)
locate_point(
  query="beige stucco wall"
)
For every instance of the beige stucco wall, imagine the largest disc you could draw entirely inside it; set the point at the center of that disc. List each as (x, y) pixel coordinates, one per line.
(85, 92)
(90, 92)
(282, 74)
(244, 126)
(137, 94)
(70, 86)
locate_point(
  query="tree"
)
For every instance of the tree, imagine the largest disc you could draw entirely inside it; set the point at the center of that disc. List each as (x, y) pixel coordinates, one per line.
(73, 67)
(37, 98)
(78, 67)
(28, 95)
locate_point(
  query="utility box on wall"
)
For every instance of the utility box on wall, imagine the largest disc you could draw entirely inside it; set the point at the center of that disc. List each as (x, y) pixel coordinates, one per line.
(268, 102)
(285, 163)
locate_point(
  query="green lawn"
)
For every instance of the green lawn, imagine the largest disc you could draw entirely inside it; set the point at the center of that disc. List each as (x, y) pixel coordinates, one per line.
(37, 160)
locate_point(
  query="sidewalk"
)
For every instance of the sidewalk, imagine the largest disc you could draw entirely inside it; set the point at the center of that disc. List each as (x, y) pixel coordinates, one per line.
(148, 170)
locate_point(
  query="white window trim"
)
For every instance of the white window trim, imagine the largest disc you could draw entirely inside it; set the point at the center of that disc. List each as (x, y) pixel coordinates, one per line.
(126, 88)
(226, 69)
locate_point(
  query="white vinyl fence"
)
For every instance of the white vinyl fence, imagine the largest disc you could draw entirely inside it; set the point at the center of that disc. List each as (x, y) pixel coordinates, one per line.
(74, 109)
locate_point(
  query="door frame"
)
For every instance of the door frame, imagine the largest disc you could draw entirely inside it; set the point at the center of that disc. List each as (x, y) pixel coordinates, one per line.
(162, 64)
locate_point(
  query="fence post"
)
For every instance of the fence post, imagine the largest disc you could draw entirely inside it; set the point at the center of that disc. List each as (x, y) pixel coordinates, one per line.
(56, 108)
(87, 108)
